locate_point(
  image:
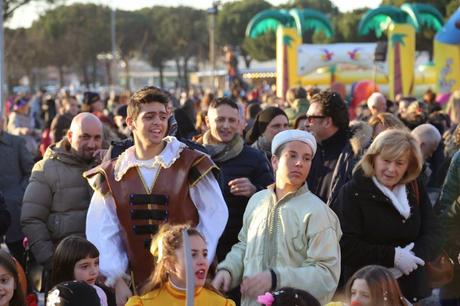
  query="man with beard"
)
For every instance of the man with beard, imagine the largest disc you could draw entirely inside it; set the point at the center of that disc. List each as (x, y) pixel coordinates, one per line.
(244, 170)
(56, 199)
(159, 179)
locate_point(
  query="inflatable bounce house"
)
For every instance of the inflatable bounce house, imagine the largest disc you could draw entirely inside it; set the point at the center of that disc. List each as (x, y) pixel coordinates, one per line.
(447, 55)
(353, 63)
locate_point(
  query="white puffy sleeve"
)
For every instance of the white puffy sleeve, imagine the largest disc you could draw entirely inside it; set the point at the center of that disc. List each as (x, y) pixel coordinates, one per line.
(212, 211)
(104, 231)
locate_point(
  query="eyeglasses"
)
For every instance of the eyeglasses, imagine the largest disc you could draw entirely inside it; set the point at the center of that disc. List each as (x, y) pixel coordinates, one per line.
(311, 117)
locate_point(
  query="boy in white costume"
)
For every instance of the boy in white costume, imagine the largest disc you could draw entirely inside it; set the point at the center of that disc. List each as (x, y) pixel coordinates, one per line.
(157, 180)
(290, 238)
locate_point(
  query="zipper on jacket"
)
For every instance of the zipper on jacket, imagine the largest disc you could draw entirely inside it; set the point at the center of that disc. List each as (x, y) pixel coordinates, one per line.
(273, 224)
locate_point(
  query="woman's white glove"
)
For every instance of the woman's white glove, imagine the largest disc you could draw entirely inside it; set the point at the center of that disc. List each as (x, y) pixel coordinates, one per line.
(405, 259)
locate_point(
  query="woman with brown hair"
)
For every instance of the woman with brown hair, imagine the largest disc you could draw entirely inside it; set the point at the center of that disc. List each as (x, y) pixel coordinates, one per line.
(267, 124)
(374, 285)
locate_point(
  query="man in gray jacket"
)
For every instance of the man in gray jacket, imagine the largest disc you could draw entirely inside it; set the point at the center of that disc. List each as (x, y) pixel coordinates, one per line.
(57, 198)
(15, 164)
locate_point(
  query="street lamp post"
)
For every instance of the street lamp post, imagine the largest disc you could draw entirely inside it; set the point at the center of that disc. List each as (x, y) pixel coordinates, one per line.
(107, 60)
(212, 11)
(113, 61)
(2, 63)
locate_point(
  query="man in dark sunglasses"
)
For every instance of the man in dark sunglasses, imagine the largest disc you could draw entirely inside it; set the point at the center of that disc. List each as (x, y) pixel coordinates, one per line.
(327, 120)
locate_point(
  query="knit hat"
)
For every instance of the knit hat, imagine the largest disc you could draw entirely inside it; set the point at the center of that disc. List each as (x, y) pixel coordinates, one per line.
(261, 122)
(73, 293)
(90, 97)
(293, 135)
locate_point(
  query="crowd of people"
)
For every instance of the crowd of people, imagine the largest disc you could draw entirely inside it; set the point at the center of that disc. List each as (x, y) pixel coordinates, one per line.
(248, 198)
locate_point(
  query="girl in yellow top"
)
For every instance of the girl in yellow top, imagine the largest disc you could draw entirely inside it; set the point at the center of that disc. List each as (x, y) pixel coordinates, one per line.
(166, 286)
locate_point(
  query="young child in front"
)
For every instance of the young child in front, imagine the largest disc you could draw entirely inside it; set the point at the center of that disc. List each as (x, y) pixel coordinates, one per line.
(10, 288)
(373, 286)
(167, 283)
(77, 259)
(288, 296)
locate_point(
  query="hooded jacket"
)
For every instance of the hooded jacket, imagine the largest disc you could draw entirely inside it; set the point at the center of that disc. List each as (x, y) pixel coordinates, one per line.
(56, 200)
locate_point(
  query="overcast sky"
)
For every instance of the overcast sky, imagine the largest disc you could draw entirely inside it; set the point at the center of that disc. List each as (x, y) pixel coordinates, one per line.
(24, 16)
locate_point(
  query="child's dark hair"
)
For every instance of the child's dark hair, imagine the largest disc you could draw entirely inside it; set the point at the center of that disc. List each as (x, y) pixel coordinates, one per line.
(292, 297)
(73, 293)
(68, 252)
(9, 264)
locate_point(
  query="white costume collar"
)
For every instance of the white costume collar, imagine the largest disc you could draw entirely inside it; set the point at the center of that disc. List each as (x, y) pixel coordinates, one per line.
(397, 196)
(165, 159)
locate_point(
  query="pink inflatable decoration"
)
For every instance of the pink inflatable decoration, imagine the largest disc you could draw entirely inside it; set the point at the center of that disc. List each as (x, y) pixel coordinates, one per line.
(360, 92)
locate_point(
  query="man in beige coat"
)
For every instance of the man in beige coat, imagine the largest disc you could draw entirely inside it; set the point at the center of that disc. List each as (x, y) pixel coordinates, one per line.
(56, 200)
(290, 238)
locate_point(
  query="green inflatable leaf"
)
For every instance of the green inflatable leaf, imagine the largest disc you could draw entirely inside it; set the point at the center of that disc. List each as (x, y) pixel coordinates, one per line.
(301, 19)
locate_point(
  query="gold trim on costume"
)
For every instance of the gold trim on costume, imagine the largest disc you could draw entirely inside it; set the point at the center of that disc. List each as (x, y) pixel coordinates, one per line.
(198, 160)
(203, 175)
(147, 188)
(149, 191)
(133, 283)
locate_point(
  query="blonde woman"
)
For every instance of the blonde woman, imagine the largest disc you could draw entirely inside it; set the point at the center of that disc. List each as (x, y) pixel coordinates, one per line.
(386, 216)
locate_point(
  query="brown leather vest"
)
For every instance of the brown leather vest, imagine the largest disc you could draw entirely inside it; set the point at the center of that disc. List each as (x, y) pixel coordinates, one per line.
(142, 209)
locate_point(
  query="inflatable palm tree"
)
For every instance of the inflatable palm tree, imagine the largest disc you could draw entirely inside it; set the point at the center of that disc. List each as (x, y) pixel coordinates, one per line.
(290, 25)
(401, 25)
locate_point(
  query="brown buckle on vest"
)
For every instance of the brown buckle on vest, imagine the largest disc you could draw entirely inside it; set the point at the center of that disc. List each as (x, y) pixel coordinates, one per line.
(149, 214)
(144, 199)
(145, 229)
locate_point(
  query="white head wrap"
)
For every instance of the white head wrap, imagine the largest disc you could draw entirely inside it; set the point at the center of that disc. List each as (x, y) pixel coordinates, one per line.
(293, 135)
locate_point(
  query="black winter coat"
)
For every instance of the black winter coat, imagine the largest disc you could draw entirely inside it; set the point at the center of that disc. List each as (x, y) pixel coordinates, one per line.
(332, 167)
(372, 228)
(250, 163)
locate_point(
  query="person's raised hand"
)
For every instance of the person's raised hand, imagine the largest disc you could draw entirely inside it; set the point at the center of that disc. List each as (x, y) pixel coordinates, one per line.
(122, 292)
(222, 280)
(242, 187)
(256, 284)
